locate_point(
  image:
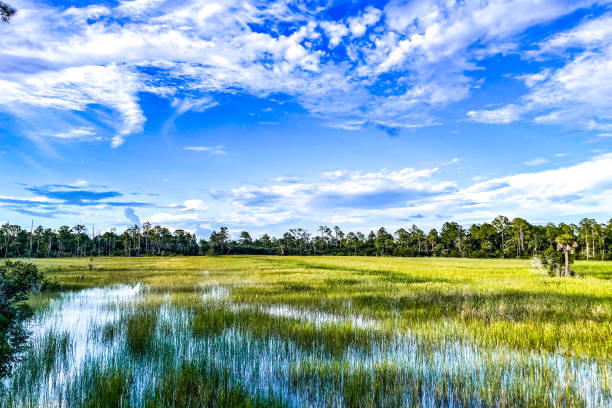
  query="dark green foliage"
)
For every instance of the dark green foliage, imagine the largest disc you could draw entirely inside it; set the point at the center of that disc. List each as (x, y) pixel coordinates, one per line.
(552, 260)
(296, 287)
(17, 280)
(6, 12)
(501, 238)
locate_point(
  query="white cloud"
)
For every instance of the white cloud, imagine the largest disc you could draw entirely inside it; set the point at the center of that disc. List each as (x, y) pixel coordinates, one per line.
(166, 218)
(333, 175)
(82, 133)
(64, 60)
(589, 34)
(80, 183)
(192, 104)
(218, 150)
(563, 191)
(335, 31)
(504, 115)
(579, 189)
(75, 89)
(131, 8)
(578, 92)
(194, 205)
(536, 162)
(571, 191)
(359, 25)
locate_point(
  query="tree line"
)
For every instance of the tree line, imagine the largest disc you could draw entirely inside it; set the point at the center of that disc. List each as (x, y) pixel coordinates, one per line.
(500, 238)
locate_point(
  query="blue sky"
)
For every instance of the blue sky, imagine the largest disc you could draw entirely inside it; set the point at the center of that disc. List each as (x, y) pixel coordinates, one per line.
(270, 115)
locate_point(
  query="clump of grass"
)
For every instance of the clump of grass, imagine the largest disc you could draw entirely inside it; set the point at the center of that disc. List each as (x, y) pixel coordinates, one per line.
(54, 350)
(338, 282)
(334, 338)
(100, 387)
(379, 386)
(140, 330)
(296, 287)
(110, 331)
(196, 385)
(211, 322)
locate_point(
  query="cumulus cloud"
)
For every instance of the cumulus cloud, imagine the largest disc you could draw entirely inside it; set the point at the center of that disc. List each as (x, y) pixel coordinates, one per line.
(391, 67)
(409, 195)
(355, 199)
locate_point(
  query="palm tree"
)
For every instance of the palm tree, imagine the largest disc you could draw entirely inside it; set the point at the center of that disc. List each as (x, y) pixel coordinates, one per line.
(566, 243)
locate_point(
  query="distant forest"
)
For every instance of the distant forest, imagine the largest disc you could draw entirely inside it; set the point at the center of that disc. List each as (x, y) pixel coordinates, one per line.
(501, 238)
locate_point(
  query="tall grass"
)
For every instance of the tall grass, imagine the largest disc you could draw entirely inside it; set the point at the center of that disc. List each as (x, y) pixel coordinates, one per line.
(329, 331)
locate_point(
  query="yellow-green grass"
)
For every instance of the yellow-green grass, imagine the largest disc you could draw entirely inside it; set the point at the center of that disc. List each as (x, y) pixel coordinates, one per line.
(316, 331)
(490, 302)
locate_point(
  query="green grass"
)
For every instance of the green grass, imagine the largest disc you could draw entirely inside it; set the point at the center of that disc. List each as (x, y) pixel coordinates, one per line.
(364, 332)
(488, 301)
(140, 329)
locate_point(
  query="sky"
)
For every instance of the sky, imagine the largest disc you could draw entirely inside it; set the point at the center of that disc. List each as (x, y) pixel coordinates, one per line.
(266, 115)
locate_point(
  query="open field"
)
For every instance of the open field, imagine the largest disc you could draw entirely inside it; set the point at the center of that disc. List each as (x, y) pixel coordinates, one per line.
(317, 331)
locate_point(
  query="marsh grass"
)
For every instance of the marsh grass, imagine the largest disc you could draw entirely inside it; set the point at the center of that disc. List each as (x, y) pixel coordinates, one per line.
(141, 325)
(98, 386)
(54, 350)
(334, 338)
(325, 331)
(197, 385)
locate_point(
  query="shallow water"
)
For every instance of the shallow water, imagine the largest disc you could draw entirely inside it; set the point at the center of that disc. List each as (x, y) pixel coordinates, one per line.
(449, 374)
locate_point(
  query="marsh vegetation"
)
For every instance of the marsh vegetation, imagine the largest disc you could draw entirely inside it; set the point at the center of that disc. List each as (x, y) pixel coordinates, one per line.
(327, 331)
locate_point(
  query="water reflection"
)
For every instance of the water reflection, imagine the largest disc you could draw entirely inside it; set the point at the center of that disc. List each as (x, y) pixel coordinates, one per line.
(90, 328)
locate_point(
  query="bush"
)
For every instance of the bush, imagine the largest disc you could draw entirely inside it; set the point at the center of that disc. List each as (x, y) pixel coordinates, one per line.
(553, 261)
(17, 280)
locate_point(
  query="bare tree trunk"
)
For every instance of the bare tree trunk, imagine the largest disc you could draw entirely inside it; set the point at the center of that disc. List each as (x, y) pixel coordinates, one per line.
(31, 232)
(586, 240)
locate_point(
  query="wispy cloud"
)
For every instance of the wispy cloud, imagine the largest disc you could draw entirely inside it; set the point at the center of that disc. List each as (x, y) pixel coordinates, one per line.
(577, 93)
(537, 161)
(82, 133)
(503, 115)
(219, 150)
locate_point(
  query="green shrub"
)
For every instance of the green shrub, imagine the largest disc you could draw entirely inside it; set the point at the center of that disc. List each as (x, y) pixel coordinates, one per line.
(17, 280)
